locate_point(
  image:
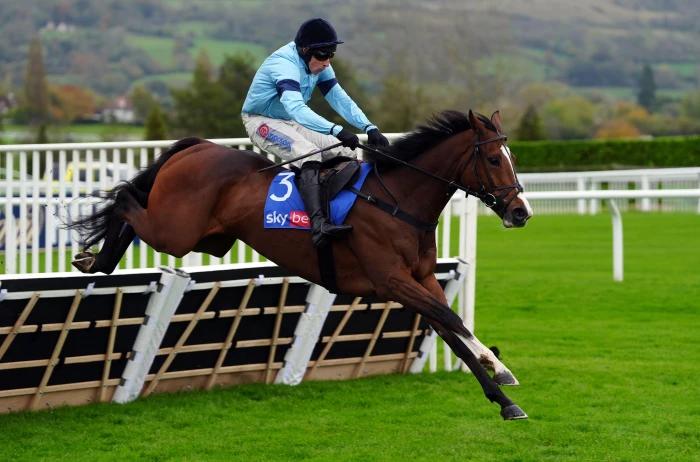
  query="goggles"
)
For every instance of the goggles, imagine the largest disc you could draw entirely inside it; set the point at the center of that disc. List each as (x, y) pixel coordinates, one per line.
(323, 54)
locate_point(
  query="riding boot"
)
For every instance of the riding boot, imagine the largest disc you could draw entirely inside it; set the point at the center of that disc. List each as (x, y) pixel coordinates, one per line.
(310, 189)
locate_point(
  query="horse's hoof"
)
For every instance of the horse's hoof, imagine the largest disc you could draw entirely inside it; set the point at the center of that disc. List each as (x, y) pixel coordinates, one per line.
(506, 378)
(513, 412)
(84, 261)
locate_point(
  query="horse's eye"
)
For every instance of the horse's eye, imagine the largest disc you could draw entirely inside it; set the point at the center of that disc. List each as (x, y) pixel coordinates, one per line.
(495, 161)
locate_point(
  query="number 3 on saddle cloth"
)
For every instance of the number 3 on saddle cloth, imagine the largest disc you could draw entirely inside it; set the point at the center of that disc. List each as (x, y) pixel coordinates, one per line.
(284, 207)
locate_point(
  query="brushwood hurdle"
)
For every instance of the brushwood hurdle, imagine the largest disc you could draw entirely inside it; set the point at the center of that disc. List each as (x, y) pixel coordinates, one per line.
(71, 339)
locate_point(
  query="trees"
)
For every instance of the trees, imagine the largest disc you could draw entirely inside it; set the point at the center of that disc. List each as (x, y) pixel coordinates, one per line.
(572, 117)
(70, 102)
(530, 127)
(36, 89)
(211, 107)
(155, 124)
(646, 96)
(401, 105)
(143, 102)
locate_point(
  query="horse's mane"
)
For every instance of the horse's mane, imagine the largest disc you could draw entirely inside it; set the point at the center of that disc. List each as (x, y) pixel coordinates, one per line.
(436, 130)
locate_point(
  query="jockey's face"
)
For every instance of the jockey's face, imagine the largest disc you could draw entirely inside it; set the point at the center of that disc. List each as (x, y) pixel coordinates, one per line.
(316, 66)
(320, 59)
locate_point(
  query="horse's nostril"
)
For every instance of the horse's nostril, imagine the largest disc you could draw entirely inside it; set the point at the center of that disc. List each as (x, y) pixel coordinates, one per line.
(520, 214)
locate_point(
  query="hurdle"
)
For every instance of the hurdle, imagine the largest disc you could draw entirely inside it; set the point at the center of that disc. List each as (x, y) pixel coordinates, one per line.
(73, 339)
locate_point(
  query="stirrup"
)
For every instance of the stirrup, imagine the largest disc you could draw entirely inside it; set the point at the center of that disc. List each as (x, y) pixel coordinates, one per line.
(330, 229)
(325, 231)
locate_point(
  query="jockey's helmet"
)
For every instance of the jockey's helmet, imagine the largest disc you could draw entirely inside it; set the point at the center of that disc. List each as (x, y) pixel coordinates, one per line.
(316, 33)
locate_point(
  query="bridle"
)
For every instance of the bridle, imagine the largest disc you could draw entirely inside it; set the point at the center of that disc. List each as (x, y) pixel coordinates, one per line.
(493, 197)
(490, 198)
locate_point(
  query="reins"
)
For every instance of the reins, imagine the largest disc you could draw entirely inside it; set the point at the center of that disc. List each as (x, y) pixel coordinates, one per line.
(486, 197)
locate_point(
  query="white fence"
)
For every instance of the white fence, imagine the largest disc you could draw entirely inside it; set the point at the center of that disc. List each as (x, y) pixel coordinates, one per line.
(613, 197)
(640, 179)
(43, 186)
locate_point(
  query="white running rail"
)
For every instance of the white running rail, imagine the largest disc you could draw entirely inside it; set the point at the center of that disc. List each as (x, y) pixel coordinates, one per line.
(613, 197)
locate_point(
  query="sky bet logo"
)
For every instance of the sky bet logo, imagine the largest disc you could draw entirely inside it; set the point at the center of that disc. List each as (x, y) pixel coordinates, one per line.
(295, 218)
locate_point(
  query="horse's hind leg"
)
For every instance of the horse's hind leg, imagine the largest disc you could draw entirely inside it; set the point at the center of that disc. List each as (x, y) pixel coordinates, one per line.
(118, 238)
(170, 227)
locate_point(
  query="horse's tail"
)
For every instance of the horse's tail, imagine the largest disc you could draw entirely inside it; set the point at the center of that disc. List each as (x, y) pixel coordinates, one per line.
(93, 228)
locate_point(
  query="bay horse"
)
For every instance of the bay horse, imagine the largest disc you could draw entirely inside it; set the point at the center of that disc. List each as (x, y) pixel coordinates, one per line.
(200, 196)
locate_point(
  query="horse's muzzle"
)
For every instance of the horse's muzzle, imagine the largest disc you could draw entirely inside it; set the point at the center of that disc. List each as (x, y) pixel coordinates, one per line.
(517, 213)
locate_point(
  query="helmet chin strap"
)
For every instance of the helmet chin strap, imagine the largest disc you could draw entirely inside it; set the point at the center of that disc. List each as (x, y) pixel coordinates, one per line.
(306, 57)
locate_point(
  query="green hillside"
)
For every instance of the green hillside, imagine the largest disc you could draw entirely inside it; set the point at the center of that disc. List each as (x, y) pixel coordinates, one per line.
(589, 43)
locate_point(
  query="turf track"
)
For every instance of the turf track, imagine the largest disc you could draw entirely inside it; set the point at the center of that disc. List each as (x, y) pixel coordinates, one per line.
(609, 371)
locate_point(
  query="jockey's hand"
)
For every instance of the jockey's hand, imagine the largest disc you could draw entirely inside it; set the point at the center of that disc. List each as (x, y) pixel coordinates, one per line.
(375, 138)
(349, 139)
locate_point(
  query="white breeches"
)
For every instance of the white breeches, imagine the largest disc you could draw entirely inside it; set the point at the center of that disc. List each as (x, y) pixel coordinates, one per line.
(287, 139)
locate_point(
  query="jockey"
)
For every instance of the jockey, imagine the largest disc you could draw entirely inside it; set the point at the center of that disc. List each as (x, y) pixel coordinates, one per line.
(278, 121)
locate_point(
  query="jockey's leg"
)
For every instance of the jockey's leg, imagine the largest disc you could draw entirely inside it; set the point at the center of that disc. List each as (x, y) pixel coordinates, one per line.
(310, 190)
(323, 141)
(288, 140)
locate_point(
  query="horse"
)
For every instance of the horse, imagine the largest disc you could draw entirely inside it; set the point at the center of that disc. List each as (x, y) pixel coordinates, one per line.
(200, 196)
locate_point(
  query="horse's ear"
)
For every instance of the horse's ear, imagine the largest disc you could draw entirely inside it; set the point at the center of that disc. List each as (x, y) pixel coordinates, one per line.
(496, 120)
(476, 124)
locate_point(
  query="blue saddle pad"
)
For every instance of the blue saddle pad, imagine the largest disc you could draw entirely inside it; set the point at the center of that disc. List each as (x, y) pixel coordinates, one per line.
(284, 207)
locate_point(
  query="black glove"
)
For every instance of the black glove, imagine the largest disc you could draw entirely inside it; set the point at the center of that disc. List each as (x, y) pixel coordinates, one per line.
(349, 140)
(375, 138)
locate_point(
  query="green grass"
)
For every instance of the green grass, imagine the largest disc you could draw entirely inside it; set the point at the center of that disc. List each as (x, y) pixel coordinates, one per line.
(75, 133)
(160, 49)
(219, 49)
(608, 371)
(172, 79)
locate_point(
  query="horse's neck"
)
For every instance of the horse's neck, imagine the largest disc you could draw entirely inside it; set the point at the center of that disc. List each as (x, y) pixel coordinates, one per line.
(421, 195)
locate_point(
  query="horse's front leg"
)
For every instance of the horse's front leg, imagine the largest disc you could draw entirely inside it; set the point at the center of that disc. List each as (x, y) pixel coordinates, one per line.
(401, 287)
(502, 375)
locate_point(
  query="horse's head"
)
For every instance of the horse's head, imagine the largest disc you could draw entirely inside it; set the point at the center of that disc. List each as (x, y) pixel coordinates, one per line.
(491, 172)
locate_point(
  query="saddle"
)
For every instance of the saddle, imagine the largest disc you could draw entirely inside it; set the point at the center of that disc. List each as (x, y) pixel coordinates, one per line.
(335, 175)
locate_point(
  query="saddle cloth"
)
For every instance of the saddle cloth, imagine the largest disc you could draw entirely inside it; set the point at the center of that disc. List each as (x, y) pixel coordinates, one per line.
(284, 207)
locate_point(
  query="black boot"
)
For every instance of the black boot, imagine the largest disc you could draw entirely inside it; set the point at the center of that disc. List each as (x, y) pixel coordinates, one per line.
(310, 190)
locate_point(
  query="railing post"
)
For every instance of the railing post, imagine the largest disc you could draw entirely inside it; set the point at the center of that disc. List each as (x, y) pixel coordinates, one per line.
(23, 237)
(646, 202)
(467, 251)
(699, 197)
(618, 257)
(10, 228)
(581, 203)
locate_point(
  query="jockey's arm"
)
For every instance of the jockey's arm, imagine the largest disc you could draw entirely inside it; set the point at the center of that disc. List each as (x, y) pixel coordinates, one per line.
(295, 106)
(286, 78)
(341, 102)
